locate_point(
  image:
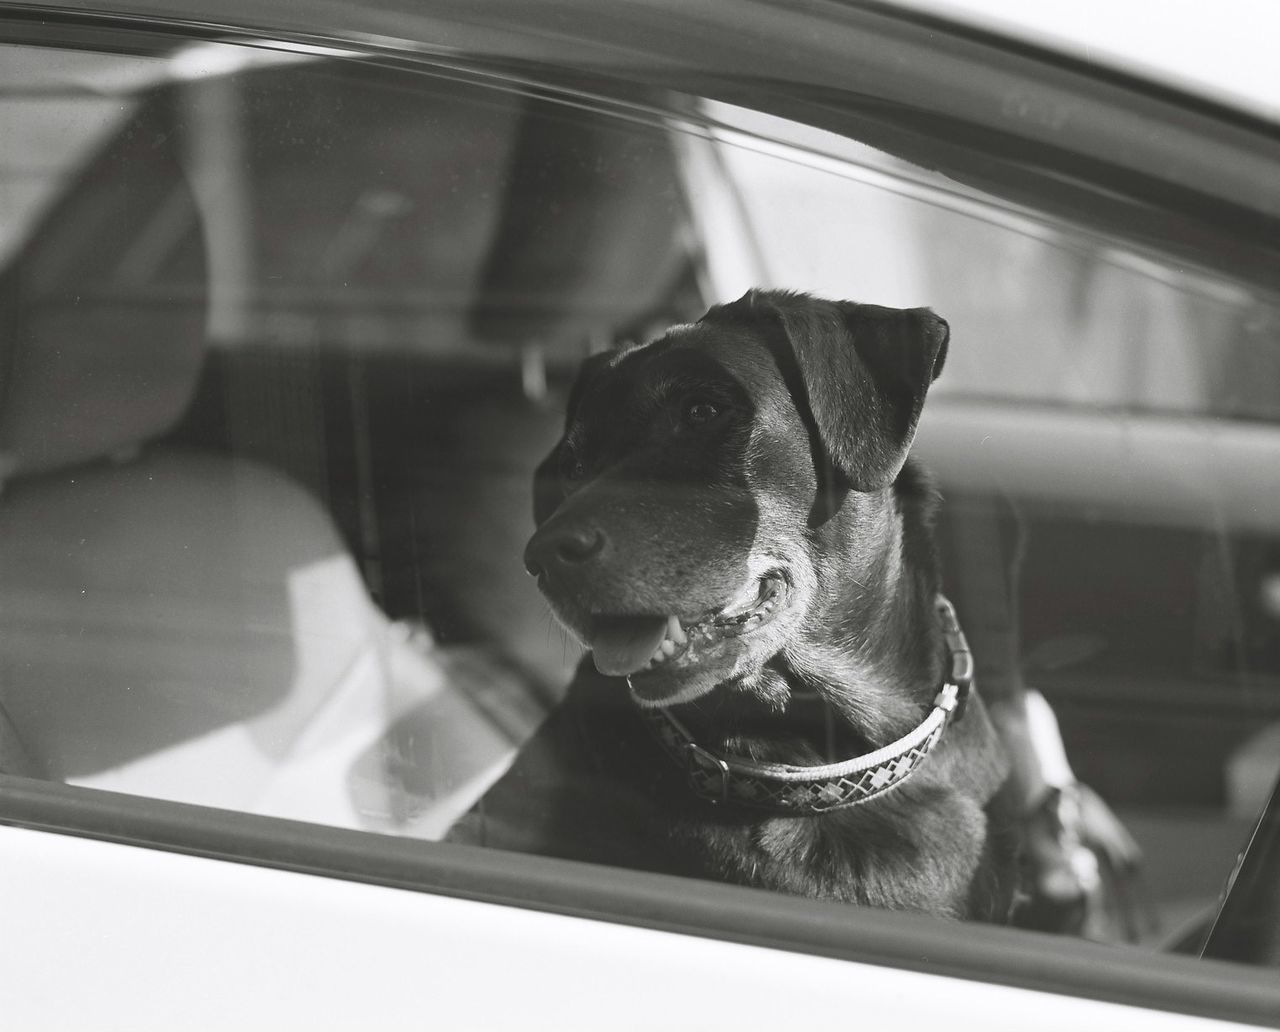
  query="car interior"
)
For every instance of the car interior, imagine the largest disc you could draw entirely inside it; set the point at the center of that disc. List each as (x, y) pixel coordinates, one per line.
(278, 362)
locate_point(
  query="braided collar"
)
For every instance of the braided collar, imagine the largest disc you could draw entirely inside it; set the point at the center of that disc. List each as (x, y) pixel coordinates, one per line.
(795, 789)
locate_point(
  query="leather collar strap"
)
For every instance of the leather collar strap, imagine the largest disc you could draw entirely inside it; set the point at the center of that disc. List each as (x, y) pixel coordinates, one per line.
(833, 786)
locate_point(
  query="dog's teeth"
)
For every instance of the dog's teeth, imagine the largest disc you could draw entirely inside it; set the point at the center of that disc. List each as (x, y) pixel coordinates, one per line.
(675, 632)
(668, 647)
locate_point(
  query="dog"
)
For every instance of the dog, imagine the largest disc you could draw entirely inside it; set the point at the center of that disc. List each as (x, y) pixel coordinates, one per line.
(775, 694)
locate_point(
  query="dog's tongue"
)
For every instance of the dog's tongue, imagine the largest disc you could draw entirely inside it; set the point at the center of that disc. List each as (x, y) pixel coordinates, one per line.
(622, 645)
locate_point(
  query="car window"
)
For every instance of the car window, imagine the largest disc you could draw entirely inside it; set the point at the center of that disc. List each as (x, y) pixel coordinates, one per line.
(1123, 406)
(1050, 305)
(286, 338)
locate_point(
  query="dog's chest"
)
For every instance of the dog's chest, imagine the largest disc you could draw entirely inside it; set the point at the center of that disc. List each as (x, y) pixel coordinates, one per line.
(915, 848)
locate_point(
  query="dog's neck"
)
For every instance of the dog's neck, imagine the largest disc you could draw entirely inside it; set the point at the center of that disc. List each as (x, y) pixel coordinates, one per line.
(875, 651)
(867, 668)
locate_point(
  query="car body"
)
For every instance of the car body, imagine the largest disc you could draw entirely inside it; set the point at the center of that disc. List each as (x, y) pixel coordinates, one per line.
(292, 300)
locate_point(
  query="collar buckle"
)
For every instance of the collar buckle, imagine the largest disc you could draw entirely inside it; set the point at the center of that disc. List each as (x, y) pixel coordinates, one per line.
(960, 674)
(948, 699)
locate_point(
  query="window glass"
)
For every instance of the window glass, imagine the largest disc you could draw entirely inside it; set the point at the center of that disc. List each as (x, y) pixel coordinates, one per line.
(1051, 314)
(1114, 417)
(59, 114)
(286, 338)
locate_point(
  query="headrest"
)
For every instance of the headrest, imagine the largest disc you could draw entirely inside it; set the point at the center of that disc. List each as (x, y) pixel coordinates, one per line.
(99, 352)
(592, 234)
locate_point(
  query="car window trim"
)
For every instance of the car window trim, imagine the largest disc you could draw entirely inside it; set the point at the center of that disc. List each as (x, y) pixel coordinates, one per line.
(723, 912)
(1104, 150)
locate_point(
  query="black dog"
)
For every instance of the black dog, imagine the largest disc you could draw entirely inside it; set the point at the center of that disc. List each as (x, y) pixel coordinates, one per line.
(731, 525)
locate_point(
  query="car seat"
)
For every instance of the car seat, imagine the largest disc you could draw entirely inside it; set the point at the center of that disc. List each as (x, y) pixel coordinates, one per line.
(175, 622)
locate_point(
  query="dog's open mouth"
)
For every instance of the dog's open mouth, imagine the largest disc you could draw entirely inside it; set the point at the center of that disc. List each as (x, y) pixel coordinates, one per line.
(626, 645)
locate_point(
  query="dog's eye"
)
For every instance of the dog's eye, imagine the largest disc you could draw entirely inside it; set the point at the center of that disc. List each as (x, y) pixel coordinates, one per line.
(698, 411)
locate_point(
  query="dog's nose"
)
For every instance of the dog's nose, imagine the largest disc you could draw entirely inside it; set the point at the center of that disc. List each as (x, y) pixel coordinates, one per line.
(554, 546)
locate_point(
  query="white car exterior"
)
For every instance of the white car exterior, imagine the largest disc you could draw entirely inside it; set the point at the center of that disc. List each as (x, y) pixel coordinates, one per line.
(109, 936)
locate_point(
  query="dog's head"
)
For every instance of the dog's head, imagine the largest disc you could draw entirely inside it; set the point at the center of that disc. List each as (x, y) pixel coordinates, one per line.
(718, 489)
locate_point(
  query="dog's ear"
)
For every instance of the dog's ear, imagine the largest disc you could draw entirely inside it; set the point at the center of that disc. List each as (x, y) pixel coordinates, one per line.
(548, 479)
(865, 370)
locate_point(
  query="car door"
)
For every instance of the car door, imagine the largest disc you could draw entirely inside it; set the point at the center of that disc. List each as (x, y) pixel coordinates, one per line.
(288, 328)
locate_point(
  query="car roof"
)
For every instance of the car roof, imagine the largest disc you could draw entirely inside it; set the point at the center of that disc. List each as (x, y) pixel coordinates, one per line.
(1225, 52)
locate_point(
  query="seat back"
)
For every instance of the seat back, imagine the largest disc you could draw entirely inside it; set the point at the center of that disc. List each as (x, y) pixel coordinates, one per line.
(173, 622)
